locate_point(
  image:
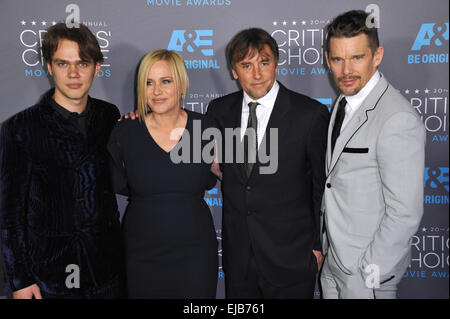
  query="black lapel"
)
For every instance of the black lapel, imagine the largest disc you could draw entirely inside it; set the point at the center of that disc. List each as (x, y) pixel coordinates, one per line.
(234, 122)
(280, 110)
(99, 126)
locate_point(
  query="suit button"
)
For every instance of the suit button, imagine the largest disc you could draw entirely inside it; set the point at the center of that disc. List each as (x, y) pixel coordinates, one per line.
(248, 188)
(328, 185)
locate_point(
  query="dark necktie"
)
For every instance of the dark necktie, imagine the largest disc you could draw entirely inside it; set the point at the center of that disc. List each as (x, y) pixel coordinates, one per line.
(251, 139)
(340, 115)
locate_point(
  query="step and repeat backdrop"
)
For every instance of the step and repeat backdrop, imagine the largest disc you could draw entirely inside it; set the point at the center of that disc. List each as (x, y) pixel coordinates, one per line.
(414, 33)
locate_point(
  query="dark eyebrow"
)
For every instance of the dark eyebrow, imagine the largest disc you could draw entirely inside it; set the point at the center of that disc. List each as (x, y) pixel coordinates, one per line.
(78, 61)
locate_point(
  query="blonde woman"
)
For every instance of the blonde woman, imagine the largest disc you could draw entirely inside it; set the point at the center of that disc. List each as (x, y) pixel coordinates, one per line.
(169, 236)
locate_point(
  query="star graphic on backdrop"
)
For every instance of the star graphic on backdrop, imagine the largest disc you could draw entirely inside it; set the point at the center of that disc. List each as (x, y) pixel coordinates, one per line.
(53, 22)
(424, 229)
(294, 22)
(416, 91)
(275, 23)
(284, 22)
(23, 22)
(303, 22)
(406, 91)
(427, 91)
(44, 22)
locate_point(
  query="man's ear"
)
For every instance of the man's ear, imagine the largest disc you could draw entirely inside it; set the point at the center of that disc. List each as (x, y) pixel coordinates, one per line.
(49, 68)
(97, 68)
(235, 75)
(378, 56)
(326, 58)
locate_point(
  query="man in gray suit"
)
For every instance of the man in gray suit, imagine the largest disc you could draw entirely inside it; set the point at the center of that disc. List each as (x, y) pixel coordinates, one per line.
(373, 199)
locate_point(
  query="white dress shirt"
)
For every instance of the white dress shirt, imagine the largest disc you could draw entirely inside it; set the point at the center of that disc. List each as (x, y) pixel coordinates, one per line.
(263, 111)
(355, 101)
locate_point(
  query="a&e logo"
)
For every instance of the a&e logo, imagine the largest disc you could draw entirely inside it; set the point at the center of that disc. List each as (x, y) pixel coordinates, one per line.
(436, 185)
(194, 42)
(433, 36)
(191, 41)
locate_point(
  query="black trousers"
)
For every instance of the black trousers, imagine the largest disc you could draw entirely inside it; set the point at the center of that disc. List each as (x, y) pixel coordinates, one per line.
(254, 286)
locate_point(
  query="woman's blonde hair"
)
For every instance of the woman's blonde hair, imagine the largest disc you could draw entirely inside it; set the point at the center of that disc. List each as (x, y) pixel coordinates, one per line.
(177, 69)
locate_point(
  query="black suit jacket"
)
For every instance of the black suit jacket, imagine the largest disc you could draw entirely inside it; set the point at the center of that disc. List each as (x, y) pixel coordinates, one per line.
(275, 215)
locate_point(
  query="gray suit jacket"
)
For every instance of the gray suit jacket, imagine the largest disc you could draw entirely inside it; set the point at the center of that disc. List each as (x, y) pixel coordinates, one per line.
(373, 199)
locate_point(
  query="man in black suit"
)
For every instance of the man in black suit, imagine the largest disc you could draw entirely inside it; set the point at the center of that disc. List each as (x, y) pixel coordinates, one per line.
(271, 246)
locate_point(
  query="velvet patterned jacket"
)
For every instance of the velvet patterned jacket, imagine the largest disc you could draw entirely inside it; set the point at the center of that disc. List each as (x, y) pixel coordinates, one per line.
(59, 220)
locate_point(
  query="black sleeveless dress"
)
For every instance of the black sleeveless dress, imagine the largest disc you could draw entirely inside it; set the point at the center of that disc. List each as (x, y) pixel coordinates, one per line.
(169, 235)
